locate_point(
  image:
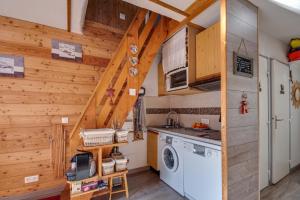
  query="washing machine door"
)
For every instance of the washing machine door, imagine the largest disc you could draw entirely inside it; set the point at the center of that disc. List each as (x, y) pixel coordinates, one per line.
(169, 158)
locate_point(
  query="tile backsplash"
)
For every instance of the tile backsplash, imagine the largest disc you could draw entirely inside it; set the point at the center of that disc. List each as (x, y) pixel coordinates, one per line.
(191, 108)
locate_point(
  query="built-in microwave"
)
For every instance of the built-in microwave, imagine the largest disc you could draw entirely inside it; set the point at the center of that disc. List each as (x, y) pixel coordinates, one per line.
(177, 79)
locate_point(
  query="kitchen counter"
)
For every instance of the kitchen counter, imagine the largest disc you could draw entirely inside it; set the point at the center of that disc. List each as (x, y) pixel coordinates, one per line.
(190, 134)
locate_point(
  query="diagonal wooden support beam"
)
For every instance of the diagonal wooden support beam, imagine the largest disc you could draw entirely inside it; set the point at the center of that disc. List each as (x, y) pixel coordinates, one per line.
(170, 7)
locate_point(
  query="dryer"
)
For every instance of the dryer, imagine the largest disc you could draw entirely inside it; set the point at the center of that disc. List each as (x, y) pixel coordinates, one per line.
(171, 162)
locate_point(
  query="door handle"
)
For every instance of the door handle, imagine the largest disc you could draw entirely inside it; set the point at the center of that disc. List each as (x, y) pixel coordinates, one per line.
(277, 120)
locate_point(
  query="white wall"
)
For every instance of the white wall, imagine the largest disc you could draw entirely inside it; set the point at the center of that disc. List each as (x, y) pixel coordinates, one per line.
(136, 151)
(151, 80)
(48, 12)
(295, 119)
(272, 47)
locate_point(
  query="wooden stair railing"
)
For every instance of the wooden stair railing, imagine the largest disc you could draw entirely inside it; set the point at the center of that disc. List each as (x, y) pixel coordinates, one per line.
(100, 110)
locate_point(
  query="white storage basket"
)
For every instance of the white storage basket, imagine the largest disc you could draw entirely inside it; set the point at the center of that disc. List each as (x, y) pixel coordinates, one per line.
(108, 166)
(121, 163)
(94, 137)
(122, 136)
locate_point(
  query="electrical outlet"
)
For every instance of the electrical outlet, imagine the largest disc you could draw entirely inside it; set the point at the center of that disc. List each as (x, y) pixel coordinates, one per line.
(122, 16)
(31, 179)
(132, 92)
(205, 121)
(65, 120)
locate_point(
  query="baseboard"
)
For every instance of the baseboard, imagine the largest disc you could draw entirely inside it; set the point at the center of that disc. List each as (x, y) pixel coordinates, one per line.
(297, 167)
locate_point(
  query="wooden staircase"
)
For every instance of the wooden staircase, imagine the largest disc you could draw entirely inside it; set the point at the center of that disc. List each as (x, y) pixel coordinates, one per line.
(101, 110)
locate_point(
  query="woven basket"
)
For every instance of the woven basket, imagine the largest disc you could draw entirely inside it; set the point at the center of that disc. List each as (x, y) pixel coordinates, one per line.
(122, 136)
(95, 137)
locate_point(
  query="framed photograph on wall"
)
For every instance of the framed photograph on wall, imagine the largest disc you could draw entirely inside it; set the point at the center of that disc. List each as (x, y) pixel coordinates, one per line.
(66, 50)
(11, 65)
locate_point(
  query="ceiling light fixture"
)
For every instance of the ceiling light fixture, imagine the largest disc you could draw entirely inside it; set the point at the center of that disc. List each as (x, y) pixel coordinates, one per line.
(292, 5)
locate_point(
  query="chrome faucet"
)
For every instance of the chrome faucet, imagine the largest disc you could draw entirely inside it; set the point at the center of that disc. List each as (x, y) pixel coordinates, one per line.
(170, 120)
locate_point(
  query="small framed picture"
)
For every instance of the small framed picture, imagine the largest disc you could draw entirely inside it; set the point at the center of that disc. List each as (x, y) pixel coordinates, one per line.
(66, 50)
(11, 65)
(242, 65)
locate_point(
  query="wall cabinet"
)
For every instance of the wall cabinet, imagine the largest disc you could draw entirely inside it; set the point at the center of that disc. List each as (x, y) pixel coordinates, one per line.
(152, 149)
(208, 53)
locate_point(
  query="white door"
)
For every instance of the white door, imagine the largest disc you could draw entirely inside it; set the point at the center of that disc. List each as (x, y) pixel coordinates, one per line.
(263, 123)
(295, 119)
(280, 121)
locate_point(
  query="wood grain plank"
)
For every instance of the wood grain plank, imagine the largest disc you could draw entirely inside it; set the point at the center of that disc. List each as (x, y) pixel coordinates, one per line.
(24, 169)
(43, 86)
(24, 133)
(16, 192)
(12, 146)
(16, 97)
(39, 109)
(22, 121)
(25, 156)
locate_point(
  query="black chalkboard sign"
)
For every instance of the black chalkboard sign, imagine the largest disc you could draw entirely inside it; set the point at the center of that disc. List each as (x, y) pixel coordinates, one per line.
(242, 65)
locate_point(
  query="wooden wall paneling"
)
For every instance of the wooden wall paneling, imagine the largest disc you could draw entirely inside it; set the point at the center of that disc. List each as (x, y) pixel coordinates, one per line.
(25, 169)
(92, 28)
(43, 86)
(25, 33)
(39, 109)
(15, 193)
(242, 148)
(48, 32)
(9, 146)
(51, 89)
(17, 97)
(21, 49)
(107, 12)
(23, 121)
(24, 156)
(11, 134)
(224, 94)
(29, 37)
(58, 150)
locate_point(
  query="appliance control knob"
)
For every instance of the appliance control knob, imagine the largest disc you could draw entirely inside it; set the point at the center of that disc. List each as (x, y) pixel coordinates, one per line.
(209, 153)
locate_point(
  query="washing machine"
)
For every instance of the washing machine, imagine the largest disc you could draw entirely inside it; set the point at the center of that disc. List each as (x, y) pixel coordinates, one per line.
(171, 162)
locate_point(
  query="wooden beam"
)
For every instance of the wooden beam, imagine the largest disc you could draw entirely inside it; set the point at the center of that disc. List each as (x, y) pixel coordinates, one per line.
(170, 7)
(69, 15)
(224, 99)
(194, 10)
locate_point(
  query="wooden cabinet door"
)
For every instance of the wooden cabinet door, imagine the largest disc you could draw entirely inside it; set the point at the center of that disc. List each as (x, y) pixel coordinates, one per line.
(208, 53)
(152, 148)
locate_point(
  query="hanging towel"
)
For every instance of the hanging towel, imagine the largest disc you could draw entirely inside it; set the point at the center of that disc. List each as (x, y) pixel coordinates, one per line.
(139, 118)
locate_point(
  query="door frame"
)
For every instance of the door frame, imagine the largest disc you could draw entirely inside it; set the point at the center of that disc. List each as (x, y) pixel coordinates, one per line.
(270, 114)
(271, 120)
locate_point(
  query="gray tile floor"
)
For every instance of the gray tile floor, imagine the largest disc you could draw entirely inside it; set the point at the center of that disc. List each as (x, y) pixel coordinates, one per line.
(286, 189)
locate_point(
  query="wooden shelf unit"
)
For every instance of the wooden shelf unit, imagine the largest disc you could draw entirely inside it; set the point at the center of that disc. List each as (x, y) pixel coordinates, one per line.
(90, 192)
(99, 176)
(102, 146)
